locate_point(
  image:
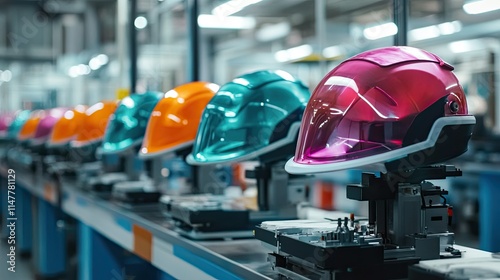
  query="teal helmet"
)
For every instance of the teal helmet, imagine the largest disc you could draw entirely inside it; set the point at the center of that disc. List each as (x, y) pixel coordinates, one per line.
(127, 125)
(250, 117)
(18, 122)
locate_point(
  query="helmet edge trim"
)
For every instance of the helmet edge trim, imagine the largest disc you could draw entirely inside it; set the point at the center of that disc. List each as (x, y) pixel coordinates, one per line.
(290, 137)
(376, 162)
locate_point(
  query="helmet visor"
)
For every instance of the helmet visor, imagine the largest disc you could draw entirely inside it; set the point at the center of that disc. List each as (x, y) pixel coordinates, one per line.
(66, 128)
(17, 124)
(225, 134)
(46, 125)
(128, 123)
(5, 121)
(344, 121)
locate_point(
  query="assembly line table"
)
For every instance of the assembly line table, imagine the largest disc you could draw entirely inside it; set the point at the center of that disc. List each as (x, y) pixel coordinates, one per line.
(145, 232)
(489, 192)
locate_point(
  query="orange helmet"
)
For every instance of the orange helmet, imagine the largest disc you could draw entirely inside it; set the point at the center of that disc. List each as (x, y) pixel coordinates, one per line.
(96, 119)
(29, 128)
(175, 119)
(68, 126)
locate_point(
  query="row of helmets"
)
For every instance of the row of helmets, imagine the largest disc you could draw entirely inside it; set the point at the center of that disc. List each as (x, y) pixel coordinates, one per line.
(375, 108)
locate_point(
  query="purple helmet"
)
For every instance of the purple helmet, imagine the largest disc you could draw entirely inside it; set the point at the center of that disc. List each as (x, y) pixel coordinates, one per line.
(46, 125)
(5, 121)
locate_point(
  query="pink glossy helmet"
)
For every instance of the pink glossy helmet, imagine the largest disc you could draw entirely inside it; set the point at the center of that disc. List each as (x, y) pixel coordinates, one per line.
(394, 108)
(5, 121)
(46, 125)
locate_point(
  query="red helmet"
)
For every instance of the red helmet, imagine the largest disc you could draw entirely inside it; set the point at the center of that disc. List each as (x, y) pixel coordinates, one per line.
(384, 109)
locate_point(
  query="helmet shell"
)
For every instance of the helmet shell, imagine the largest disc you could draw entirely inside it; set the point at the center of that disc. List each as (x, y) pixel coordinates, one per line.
(175, 119)
(5, 121)
(46, 124)
(28, 130)
(380, 106)
(128, 123)
(249, 117)
(66, 128)
(94, 126)
(17, 124)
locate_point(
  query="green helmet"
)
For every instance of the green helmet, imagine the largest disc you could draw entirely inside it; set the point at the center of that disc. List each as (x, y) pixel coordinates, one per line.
(127, 125)
(250, 117)
(17, 124)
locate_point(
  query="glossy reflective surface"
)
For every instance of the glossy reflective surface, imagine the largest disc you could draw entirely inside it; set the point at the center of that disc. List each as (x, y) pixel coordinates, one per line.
(94, 126)
(46, 125)
(247, 114)
(66, 128)
(5, 121)
(18, 122)
(175, 119)
(29, 128)
(128, 124)
(366, 105)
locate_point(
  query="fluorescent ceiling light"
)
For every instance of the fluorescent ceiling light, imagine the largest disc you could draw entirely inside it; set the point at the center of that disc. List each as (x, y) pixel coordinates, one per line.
(447, 28)
(211, 21)
(424, 33)
(140, 22)
(434, 31)
(293, 53)
(466, 45)
(233, 6)
(73, 71)
(481, 6)
(333, 51)
(380, 31)
(273, 32)
(79, 70)
(6, 76)
(98, 61)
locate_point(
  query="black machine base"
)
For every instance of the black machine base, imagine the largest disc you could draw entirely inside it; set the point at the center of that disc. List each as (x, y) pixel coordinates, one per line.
(135, 197)
(305, 260)
(393, 239)
(212, 216)
(206, 215)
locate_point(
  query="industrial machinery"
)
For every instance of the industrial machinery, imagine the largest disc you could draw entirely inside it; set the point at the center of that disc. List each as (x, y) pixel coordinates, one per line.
(86, 142)
(169, 137)
(255, 116)
(31, 138)
(61, 159)
(6, 120)
(122, 140)
(374, 112)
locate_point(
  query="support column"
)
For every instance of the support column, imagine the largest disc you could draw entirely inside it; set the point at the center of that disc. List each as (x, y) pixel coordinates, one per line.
(193, 54)
(489, 192)
(100, 258)
(132, 42)
(401, 14)
(51, 253)
(320, 17)
(25, 224)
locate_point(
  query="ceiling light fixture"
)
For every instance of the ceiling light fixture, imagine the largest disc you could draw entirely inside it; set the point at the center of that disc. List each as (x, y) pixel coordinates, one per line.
(232, 22)
(232, 7)
(467, 45)
(5, 76)
(333, 51)
(481, 6)
(434, 31)
(140, 22)
(273, 31)
(293, 53)
(98, 61)
(380, 31)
